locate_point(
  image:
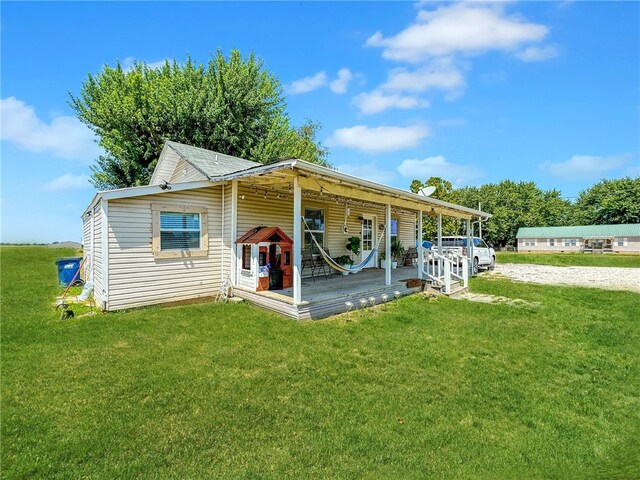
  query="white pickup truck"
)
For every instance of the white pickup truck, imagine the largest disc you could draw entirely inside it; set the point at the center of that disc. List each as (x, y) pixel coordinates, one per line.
(483, 255)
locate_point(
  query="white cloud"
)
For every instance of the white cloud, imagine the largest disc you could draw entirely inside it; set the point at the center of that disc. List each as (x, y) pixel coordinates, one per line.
(64, 136)
(439, 166)
(68, 181)
(583, 167)
(340, 84)
(537, 54)
(370, 171)
(129, 62)
(435, 76)
(377, 101)
(378, 139)
(460, 28)
(307, 84)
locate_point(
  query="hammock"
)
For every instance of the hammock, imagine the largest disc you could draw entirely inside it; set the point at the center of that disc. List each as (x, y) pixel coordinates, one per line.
(336, 266)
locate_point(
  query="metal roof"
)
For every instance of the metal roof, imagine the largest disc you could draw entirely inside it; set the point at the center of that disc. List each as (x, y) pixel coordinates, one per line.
(582, 231)
(211, 164)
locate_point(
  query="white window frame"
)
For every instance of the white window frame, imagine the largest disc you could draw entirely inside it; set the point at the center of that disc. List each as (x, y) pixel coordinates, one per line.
(203, 251)
(551, 242)
(621, 242)
(529, 242)
(570, 242)
(315, 232)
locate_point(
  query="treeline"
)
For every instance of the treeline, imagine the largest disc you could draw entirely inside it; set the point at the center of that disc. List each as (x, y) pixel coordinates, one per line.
(524, 204)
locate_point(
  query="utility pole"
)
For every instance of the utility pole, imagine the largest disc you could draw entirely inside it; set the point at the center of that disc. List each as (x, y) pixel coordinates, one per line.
(480, 220)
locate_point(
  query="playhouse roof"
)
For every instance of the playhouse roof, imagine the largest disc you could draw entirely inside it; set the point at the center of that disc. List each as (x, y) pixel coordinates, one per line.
(265, 234)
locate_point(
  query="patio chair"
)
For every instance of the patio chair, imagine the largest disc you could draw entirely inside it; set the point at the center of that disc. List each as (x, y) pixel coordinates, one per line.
(308, 261)
(321, 264)
(411, 257)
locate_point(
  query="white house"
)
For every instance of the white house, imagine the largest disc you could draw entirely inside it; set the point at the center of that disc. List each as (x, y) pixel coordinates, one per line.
(622, 238)
(175, 239)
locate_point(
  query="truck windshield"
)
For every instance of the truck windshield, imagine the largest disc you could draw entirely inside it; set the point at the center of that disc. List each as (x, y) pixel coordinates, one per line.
(459, 242)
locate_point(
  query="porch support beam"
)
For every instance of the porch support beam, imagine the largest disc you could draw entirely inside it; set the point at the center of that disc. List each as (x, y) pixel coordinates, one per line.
(379, 198)
(420, 248)
(387, 245)
(469, 247)
(297, 241)
(440, 247)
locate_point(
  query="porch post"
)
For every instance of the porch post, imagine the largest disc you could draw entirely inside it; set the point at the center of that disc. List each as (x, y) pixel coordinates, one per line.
(234, 232)
(469, 246)
(387, 245)
(420, 252)
(297, 241)
(440, 249)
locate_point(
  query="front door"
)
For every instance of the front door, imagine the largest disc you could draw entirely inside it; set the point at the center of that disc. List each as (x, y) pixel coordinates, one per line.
(368, 240)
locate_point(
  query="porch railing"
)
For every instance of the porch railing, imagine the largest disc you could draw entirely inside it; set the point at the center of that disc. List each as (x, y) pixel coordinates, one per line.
(443, 270)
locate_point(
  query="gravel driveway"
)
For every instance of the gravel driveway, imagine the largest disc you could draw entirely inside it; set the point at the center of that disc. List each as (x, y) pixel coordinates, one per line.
(612, 278)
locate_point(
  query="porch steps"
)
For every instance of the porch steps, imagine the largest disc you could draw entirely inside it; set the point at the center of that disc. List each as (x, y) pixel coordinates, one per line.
(456, 289)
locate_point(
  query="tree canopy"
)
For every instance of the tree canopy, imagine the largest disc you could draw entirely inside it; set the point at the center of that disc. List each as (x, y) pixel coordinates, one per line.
(610, 201)
(231, 105)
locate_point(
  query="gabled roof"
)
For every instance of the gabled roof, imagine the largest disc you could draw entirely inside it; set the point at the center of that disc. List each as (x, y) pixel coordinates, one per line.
(265, 234)
(316, 177)
(211, 164)
(582, 231)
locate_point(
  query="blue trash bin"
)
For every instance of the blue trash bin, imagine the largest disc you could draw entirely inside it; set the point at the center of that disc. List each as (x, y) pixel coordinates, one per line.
(67, 269)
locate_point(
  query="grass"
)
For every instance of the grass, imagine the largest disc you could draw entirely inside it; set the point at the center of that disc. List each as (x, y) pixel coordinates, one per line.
(571, 259)
(437, 389)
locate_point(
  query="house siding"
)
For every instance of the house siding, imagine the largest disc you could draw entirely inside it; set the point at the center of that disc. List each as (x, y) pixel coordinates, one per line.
(633, 245)
(254, 210)
(98, 289)
(186, 173)
(136, 277)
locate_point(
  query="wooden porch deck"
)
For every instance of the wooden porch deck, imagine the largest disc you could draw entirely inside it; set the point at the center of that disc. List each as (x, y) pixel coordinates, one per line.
(327, 296)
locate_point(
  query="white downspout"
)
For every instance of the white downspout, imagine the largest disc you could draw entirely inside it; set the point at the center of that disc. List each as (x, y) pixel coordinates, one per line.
(234, 232)
(104, 214)
(222, 237)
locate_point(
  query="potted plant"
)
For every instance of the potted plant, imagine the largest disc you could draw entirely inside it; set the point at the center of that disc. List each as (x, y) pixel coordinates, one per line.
(383, 263)
(345, 261)
(353, 245)
(397, 252)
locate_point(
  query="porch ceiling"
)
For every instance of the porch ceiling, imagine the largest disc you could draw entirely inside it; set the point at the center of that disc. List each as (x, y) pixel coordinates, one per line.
(346, 188)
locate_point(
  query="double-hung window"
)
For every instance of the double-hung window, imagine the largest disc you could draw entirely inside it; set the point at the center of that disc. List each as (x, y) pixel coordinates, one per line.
(570, 242)
(179, 231)
(394, 229)
(314, 219)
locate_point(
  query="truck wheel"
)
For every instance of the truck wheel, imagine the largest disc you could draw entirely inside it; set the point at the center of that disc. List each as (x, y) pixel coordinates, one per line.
(492, 265)
(475, 265)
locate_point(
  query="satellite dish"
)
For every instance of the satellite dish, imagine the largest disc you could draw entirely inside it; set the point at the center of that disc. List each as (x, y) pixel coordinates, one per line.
(427, 191)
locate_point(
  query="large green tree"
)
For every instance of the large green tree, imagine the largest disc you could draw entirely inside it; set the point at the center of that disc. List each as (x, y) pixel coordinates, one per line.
(443, 191)
(514, 205)
(232, 105)
(610, 202)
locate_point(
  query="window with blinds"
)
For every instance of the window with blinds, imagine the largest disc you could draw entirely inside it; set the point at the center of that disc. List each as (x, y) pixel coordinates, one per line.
(179, 231)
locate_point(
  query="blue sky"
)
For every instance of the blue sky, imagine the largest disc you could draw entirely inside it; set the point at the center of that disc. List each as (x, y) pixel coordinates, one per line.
(473, 92)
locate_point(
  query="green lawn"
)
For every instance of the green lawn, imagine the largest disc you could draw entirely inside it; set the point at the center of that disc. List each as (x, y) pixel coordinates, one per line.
(427, 389)
(571, 259)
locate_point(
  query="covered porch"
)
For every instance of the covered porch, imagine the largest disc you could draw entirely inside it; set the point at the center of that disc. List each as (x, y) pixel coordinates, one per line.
(281, 195)
(334, 294)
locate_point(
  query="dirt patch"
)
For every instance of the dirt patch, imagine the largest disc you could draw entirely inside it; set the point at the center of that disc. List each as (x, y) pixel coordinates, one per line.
(610, 278)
